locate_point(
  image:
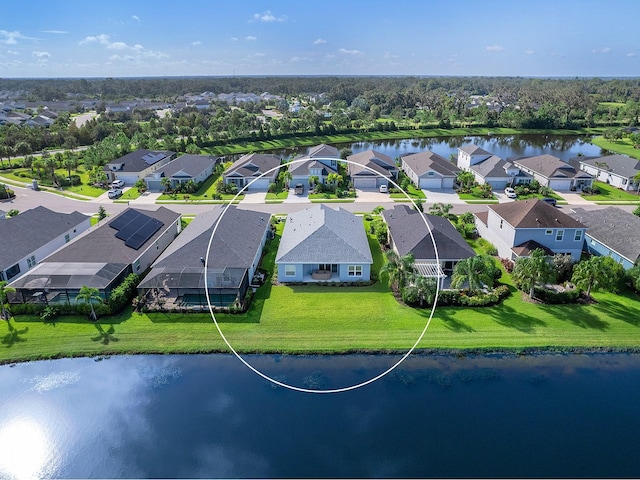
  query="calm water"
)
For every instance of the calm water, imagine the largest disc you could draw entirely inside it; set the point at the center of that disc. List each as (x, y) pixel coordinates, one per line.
(209, 416)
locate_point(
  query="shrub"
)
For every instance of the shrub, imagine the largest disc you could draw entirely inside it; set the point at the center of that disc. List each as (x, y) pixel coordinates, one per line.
(122, 295)
(507, 264)
(553, 297)
(464, 298)
(48, 314)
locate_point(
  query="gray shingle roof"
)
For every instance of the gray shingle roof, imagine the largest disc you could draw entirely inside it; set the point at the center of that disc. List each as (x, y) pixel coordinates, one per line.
(621, 165)
(534, 213)
(320, 234)
(616, 228)
(379, 162)
(549, 166)
(474, 150)
(324, 150)
(421, 163)
(234, 246)
(304, 168)
(253, 165)
(410, 235)
(491, 167)
(32, 229)
(139, 160)
(192, 165)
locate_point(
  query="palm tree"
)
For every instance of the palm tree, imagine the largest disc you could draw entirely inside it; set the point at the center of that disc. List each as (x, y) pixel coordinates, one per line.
(166, 183)
(398, 269)
(476, 272)
(4, 290)
(426, 289)
(598, 273)
(89, 295)
(528, 272)
(313, 180)
(636, 179)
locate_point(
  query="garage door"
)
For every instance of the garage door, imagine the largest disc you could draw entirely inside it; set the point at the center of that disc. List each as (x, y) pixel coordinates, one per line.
(431, 183)
(260, 184)
(364, 182)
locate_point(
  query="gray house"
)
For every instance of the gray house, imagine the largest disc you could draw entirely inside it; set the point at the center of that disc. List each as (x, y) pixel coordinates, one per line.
(370, 169)
(177, 278)
(323, 244)
(101, 258)
(517, 228)
(612, 232)
(137, 165)
(320, 161)
(429, 170)
(181, 170)
(554, 173)
(616, 170)
(249, 168)
(35, 234)
(409, 234)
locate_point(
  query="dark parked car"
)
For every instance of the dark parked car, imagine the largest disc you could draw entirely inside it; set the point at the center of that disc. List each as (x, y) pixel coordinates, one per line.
(299, 189)
(550, 201)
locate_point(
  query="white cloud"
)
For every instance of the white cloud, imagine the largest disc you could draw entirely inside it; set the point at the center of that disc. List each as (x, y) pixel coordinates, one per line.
(117, 46)
(389, 56)
(135, 18)
(196, 43)
(101, 39)
(251, 38)
(41, 54)
(529, 52)
(11, 38)
(135, 51)
(13, 52)
(601, 50)
(319, 41)
(255, 55)
(631, 54)
(299, 59)
(494, 48)
(234, 39)
(56, 32)
(268, 17)
(349, 52)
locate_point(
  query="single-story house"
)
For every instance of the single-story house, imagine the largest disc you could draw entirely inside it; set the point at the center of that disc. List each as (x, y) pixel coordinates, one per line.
(491, 169)
(246, 171)
(612, 232)
(370, 169)
(100, 258)
(178, 275)
(33, 235)
(616, 170)
(323, 244)
(408, 233)
(517, 228)
(554, 173)
(184, 168)
(137, 165)
(429, 170)
(320, 161)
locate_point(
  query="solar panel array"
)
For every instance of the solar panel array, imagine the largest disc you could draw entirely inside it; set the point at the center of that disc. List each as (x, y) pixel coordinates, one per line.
(135, 228)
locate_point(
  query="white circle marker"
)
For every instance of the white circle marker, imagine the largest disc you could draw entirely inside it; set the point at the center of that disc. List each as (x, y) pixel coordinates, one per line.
(293, 387)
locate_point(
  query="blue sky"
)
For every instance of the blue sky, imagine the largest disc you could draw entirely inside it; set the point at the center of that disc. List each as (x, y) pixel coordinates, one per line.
(71, 38)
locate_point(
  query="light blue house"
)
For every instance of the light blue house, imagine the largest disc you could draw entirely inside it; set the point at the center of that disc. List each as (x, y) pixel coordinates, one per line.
(612, 232)
(320, 244)
(517, 228)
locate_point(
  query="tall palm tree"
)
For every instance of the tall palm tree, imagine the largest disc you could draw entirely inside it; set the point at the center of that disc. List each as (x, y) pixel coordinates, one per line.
(4, 290)
(598, 273)
(399, 270)
(636, 179)
(475, 271)
(90, 295)
(426, 288)
(528, 272)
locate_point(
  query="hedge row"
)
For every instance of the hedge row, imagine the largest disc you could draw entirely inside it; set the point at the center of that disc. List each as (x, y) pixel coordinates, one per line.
(464, 298)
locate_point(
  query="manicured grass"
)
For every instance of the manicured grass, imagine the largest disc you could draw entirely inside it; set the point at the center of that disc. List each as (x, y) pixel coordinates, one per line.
(413, 192)
(609, 193)
(205, 192)
(623, 146)
(130, 194)
(273, 197)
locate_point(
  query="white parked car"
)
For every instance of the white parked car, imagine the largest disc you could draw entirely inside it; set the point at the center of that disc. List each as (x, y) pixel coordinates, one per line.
(510, 192)
(384, 188)
(114, 193)
(117, 184)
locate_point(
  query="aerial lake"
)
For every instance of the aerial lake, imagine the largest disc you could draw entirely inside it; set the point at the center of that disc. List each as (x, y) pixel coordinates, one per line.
(210, 416)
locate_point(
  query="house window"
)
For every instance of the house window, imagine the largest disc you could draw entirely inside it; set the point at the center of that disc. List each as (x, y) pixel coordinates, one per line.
(31, 261)
(548, 232)
(430, 174)
(355, 270)
(624, 181)
(289, 270)
(559, 235)
(13, 271)
(592, 242)
(67, 238)
(136, 265)
(501, 222)
(578, 236)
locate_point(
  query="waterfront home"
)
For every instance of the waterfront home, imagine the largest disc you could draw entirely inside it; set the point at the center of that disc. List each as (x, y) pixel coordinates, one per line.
(323, 244)
(517, 228)
(616, 170)
(247, 170)
(100, 258)
(320, 161)
(552, 172)
(196, 168)
(177, 277)
(33, 235)
(491, 169)
(370, 169)
(137, 165)
(612, 232)
(429, 170)
(408, 233)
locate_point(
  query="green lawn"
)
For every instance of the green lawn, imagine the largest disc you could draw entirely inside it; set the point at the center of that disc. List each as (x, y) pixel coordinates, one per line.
(617, 146)
(205, 192)
(612, 194)
(277, 197)
(413, 192)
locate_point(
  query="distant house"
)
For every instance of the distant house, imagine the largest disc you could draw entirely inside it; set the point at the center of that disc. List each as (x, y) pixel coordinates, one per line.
(552, 172)
(429, 170)
(370, 169)
(612, 232)
(178, 275)
(408, 233)
(323, 244)
(518, 228)
(616, 170)
(247, 170)
(101, 258)
(320, 161)
(181, 170)
(33, 235)
(137, 165)
(488, 168)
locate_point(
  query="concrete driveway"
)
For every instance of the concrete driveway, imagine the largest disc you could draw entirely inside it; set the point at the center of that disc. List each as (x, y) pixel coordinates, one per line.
(442, 195)
(293, 198)
(255, 196)
(371, 195)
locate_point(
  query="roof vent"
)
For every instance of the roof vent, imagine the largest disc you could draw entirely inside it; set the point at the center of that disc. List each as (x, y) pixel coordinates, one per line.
(202, 260)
